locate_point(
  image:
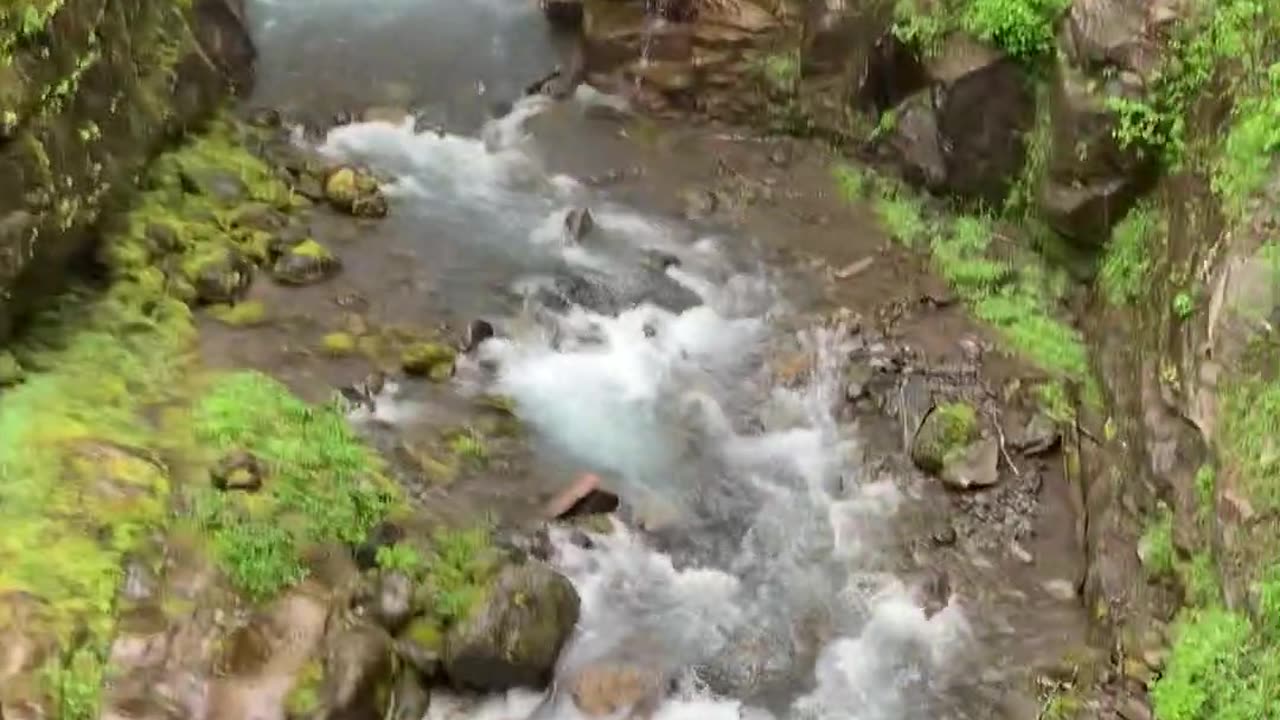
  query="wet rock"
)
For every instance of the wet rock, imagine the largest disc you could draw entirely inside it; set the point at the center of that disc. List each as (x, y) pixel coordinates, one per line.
(659, 261)
(944, 436)
(1040, 436)
(410, 700)
(578, 223)
(583, 497)
(514, 638)
(428, 359)
(563, 14)
(355, 192)
(221, 277)
(857, 381)
(358, 666)
(239, 470)
(699, 204)
(917, 143)
(604, 689)
(477, 332)
(975, 467)
(934, 592)
(392, 604)
(915, 403)
(306, 263)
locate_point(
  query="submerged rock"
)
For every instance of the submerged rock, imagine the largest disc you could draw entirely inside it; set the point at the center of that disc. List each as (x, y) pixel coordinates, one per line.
(355, 192)
(306, 263)
(515, 637)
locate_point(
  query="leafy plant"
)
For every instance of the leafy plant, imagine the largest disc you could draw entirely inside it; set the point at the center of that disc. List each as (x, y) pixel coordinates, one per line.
(1156, 545)
(460, 567)
(1127, 263)
(1022, 28)
(400, 558)
(1184, 304)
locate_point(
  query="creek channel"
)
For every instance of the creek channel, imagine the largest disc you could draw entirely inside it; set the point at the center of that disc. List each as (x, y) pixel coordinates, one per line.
(761, 570)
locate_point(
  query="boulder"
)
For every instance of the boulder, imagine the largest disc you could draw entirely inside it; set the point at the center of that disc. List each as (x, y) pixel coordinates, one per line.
(964, 132)
(514, 638)
(975, 466)
(355, 192)
(944, 436)
(583, 497)
(358, 674)
(306, 263)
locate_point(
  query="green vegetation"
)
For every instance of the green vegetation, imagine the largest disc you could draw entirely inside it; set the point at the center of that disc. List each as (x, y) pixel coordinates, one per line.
(1055, 402)
(1022, 28)
(1199, 577)
(1016, 299)
(460, 568)
(1230, 34)
(1156, 545)
(400, 557)
(1221, 668)
(1206, 479)
(1250, 436)
(1126, 267)
(1184, 304)
(781, 72)
(322, 486)
(468, 445)
(242, 314)
(304, 697)
(1248, 154)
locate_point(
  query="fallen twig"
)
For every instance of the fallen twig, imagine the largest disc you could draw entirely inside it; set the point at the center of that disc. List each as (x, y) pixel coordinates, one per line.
(1004, 451)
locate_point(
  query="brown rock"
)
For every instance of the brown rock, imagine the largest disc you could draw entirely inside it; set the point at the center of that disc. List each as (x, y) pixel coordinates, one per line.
(604, 689)
(583, 497)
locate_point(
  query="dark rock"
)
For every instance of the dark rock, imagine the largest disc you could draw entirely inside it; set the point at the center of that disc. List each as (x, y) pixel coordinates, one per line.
(578, 223)
(514, 638)
(659, 261)
(306, 263)
(239, 470)
(563, 14)
(221, 277)
(917, 143)
(477, 332)
(382, 535)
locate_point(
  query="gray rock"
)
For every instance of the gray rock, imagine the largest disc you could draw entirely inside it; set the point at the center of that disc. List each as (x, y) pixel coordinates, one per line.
(393, 600)
(976, 467)
(358, 667)
(514, 638)
(1040, 435)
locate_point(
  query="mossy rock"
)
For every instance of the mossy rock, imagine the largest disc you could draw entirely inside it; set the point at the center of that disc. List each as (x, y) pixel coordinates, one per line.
(339, 344)
(306, 263)
(355, 192)
(220, 276)
(304, 697)
(429, 359)
(946, 431)
(514, 638)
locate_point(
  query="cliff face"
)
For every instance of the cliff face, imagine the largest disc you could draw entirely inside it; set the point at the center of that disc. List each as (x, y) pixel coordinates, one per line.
(89, 91)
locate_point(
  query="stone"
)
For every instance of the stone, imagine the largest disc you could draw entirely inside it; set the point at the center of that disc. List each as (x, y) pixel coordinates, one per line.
(563, 14)
(578, 223)
(410, 699)
(1063, 590)
(604, 689)
(239, 470)
(358, 667)
(220, 277)
(944, 436)
(477, 332)
(392, 604)
(976, 467)
(306, 263)
(583, 497)
(355, 192)
(428, 359)
(515, 637)
(1039, 436)
(699, 204)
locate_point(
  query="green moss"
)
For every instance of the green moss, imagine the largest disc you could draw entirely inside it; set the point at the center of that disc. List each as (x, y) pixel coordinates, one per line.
(304, 697)
(1055, 402)
(339, 343)
(428, 358)
(426, 633)
(851, 182)
(324, 484)
(10, 369)
(1184, 304)
(400, 557)
(468, 445)
(1250, 435)
(946, 431)
(309, 248)
(1199, 578)
(1126, 266)
(242, 314)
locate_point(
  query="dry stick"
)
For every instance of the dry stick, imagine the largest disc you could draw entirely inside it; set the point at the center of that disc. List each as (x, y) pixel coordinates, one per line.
(1003, 450)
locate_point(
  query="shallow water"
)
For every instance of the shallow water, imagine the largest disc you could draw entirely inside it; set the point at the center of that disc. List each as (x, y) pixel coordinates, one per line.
(762, 569)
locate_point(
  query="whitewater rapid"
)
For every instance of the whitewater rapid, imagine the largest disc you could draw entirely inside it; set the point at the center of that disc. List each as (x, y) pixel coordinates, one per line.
(753, 565)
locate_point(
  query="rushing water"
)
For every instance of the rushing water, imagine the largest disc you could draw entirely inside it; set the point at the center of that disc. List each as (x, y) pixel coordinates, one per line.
(756, 571)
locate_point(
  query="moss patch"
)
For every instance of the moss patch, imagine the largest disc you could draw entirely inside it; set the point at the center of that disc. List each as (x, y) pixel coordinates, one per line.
(460, 569)
(946, 431)
(339, 343)
(242, 314)
(324, 485)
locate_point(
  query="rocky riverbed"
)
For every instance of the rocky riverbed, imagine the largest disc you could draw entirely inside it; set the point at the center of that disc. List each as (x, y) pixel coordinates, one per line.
(506, 361)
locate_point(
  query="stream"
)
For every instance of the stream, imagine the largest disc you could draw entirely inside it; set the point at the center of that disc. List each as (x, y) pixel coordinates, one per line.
(761, 567)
